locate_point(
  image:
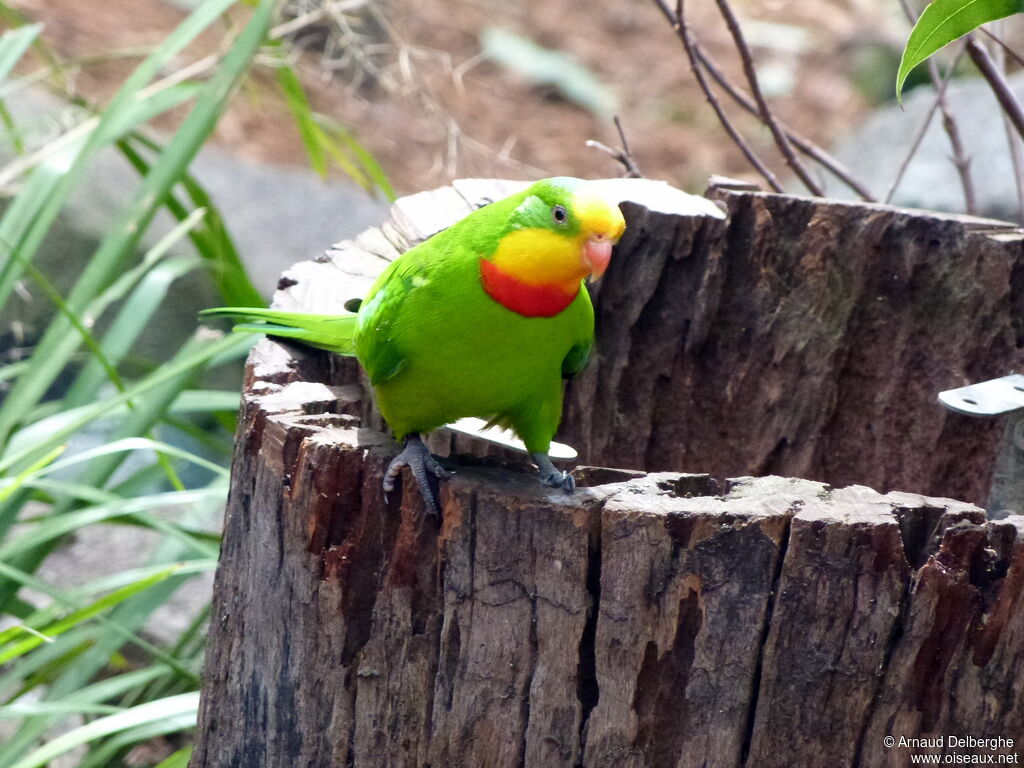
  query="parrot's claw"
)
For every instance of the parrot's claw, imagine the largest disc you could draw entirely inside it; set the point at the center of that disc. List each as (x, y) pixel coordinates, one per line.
(561, 480)
(551, 476)
(417, 458)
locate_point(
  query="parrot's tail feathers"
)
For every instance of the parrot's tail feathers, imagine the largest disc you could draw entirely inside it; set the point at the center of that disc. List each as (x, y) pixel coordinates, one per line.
(331, 332)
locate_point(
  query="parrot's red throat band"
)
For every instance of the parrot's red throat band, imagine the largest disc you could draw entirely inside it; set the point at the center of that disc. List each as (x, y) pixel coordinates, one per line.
(523, 298)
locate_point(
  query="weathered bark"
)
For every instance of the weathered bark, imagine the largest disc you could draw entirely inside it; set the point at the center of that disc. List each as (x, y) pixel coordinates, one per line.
(806, 338)
(656, 619)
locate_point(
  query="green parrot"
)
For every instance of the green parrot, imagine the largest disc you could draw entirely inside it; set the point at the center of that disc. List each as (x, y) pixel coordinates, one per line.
(484, 319)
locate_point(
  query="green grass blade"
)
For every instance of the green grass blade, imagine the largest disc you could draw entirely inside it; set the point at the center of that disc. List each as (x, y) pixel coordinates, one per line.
(48, 463)
(13, 44)
(59, 525)
(339, 139)
(113, 627)
(178, 760)
(12, 649)
(298, 104)
(57, 344)
(213, 241)
(29, 473)
(51, 183)
(105, 753)
(12, 129)
(124, 331)
(206, 401)
(192, 358)
(137, 444)
(133, 575)
(181, 710)
(34, 709)
(117, 686)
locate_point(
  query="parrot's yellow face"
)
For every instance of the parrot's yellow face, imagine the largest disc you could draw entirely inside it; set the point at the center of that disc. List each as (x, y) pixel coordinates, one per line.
(560, 235)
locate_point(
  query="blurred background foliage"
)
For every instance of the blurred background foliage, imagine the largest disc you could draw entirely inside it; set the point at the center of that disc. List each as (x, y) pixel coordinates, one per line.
(159, 156)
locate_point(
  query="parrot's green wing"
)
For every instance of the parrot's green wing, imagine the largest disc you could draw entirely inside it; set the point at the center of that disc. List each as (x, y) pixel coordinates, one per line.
(382, 310)
(576, 359)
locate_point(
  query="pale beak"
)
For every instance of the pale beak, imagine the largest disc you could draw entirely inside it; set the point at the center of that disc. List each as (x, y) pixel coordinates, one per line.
(597, 253)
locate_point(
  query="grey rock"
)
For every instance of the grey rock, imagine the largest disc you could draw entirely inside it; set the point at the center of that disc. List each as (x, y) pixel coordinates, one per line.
(875, 149)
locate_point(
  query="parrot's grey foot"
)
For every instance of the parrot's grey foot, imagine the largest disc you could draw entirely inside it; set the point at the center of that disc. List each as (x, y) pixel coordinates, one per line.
(417, 458)
(549, 475)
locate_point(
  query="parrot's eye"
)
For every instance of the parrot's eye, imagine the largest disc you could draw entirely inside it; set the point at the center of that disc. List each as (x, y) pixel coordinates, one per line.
(558, 213)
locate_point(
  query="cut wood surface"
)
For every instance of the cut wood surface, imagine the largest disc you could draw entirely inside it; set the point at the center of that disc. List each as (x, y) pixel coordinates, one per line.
(650, 619)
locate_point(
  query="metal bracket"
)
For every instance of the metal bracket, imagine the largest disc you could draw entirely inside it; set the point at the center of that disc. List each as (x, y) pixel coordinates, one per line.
(998, 397)
(988, 398)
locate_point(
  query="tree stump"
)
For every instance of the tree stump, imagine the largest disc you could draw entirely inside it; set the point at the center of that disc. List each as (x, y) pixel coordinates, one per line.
(652, 618)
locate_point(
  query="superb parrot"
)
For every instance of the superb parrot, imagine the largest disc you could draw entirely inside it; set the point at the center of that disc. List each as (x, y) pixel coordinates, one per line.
(484, 319)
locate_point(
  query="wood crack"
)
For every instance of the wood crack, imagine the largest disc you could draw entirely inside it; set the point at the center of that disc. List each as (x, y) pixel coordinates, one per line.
(755, 683)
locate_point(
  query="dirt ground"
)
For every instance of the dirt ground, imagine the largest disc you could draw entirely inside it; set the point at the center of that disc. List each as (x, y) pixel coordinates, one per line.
(433, 109)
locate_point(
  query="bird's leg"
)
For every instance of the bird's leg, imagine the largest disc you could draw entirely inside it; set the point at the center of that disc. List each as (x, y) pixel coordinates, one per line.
(417, 458)
(551, 476)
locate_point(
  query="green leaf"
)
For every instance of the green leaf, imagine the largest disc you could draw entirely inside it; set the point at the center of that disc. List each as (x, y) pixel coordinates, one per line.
(942, 22)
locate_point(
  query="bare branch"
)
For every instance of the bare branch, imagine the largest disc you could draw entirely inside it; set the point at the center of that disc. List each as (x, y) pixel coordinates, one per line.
(623, 156)
(802, 143)
(1001, 89)
(1013, 141)
(678, 21)
(766, 114)
(1008, 50)
(914, 146)
(960, 159)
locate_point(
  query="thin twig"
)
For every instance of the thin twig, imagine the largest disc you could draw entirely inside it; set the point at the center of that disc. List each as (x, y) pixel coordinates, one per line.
(916, 144)
(1017, 160)
(682, 31)
(1013, 142)
(802, 143)
(960, 159)
(312, 17)
(633, 170)
(766, 114)
(623, 156)
(961, 162)
(1001, 89)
